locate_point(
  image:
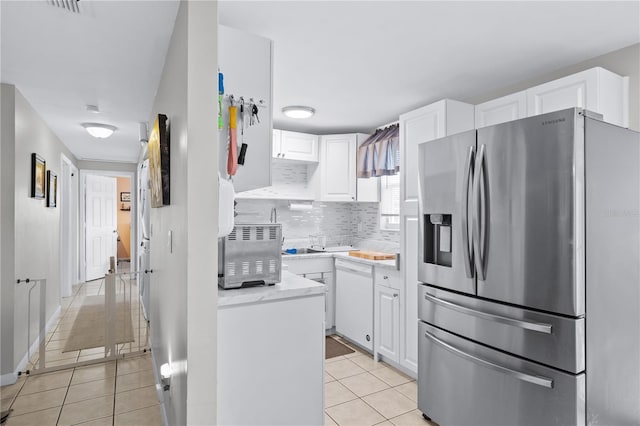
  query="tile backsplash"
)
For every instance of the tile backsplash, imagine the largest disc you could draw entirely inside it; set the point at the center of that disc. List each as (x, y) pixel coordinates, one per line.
(360, 221)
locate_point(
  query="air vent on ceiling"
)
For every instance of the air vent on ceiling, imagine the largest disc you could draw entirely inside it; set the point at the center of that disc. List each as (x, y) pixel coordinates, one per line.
(68, 5)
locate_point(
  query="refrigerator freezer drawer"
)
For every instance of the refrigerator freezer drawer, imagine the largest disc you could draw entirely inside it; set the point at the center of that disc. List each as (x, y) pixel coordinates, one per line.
(464, 383)
(545, 338)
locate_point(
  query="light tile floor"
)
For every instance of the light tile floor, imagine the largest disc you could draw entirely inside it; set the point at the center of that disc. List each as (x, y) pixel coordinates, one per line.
(362, 392)
(110, 393)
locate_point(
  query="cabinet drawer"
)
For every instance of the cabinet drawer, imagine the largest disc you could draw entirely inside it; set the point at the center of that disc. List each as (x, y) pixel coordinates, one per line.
(456, 374)
(388, 278)
(545, 338)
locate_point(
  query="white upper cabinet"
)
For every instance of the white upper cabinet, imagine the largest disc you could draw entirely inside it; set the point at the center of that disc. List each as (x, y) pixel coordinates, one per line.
(596, 89)
(245, 61)
(295, 146)
(442, 118)
(506, 108)
(337, 168)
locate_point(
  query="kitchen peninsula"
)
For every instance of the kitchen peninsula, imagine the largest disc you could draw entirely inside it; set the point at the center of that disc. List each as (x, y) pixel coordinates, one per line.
(271, 352)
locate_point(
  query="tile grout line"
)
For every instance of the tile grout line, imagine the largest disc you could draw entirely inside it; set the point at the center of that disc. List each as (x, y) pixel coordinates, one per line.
(115, 387)
(65, 395)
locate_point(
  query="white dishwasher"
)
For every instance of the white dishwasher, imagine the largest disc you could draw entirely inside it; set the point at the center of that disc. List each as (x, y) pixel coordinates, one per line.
(354, 302)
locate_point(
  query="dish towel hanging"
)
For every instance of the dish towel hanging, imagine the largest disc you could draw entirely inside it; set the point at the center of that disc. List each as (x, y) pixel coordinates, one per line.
(232, 159)
(379, 155)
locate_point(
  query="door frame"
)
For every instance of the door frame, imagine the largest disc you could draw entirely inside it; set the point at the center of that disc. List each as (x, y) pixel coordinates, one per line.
(134, 212)
(69, 205)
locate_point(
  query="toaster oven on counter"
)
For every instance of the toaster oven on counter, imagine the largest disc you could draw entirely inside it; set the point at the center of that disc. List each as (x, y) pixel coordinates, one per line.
(250, 255)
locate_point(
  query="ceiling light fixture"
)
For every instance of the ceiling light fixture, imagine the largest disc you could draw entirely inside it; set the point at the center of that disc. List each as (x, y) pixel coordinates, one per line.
(100, 131)
(93, 108)
(298, 111)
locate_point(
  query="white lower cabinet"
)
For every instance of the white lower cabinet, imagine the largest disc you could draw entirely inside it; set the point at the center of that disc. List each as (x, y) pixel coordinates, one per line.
(354, 302)
(257, 376)
(387, 323)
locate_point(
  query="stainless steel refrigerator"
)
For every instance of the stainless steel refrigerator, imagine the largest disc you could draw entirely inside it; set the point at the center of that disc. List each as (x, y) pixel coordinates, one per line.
(529, 260)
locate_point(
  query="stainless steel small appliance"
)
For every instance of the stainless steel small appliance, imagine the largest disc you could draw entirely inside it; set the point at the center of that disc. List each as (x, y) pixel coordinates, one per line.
(250, 255)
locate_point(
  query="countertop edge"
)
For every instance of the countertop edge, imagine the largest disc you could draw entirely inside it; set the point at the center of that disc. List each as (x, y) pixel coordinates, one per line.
(291, 286)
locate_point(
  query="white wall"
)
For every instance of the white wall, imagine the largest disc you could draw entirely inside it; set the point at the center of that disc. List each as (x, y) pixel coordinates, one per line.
(7, 221)
(183, 284)
(625, 62)
(107, 166)
(36, 245)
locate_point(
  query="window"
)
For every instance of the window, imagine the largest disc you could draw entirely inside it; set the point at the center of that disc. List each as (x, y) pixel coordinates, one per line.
(390, 203)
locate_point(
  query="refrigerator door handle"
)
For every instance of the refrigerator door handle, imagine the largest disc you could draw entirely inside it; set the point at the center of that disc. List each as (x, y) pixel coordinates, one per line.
(528, 325)
(479, 210)
(468, 177)
(536, 380)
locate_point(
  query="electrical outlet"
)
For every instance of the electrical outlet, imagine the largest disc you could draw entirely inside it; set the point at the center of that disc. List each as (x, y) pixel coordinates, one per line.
(360, 227)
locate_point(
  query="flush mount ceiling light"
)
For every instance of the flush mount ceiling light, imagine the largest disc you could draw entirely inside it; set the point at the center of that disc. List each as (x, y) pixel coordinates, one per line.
(98, 130)
(298, 111)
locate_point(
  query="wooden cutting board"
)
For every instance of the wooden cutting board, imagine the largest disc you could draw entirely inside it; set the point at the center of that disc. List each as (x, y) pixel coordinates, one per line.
(372, 255)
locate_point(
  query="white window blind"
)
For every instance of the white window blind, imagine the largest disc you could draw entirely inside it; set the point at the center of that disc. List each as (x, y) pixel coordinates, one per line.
(390, 203)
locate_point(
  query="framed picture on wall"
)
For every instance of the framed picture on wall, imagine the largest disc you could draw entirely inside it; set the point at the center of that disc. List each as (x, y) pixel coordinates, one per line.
(52, 189)
(38, 169)
(159, 162)
(125, 197)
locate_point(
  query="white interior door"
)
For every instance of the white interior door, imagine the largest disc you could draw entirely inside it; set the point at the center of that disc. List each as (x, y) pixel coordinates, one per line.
(100, 224)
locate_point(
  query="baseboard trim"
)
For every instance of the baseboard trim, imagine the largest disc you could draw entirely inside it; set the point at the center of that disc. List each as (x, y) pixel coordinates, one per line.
(36, 343)
(8, 379)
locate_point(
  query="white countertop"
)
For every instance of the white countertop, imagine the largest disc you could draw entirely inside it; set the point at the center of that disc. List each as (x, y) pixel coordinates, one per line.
(387, 264)
(291, 286)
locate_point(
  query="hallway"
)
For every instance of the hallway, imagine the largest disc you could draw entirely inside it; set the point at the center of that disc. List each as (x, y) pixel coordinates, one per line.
(118, 392)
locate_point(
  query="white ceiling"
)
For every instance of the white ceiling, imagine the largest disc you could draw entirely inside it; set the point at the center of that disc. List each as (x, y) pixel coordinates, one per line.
(360, 64)
(110, 55)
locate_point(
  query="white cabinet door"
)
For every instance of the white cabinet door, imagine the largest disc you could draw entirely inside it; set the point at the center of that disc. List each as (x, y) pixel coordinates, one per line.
(254, 79)
(409, 321)
(445, 117)
(338, 168)
(354, 303)
(298, 146)
(274, 329)
(501, 110)
(387, 322)
(595, 89)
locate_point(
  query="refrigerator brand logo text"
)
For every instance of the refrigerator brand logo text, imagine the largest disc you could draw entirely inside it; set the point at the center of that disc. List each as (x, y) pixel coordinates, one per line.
(556, 121)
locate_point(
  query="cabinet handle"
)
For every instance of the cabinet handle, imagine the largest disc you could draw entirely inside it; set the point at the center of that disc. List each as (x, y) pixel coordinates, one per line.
(283, 155)
(385, 277)
(278, 154)
(395, 294)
